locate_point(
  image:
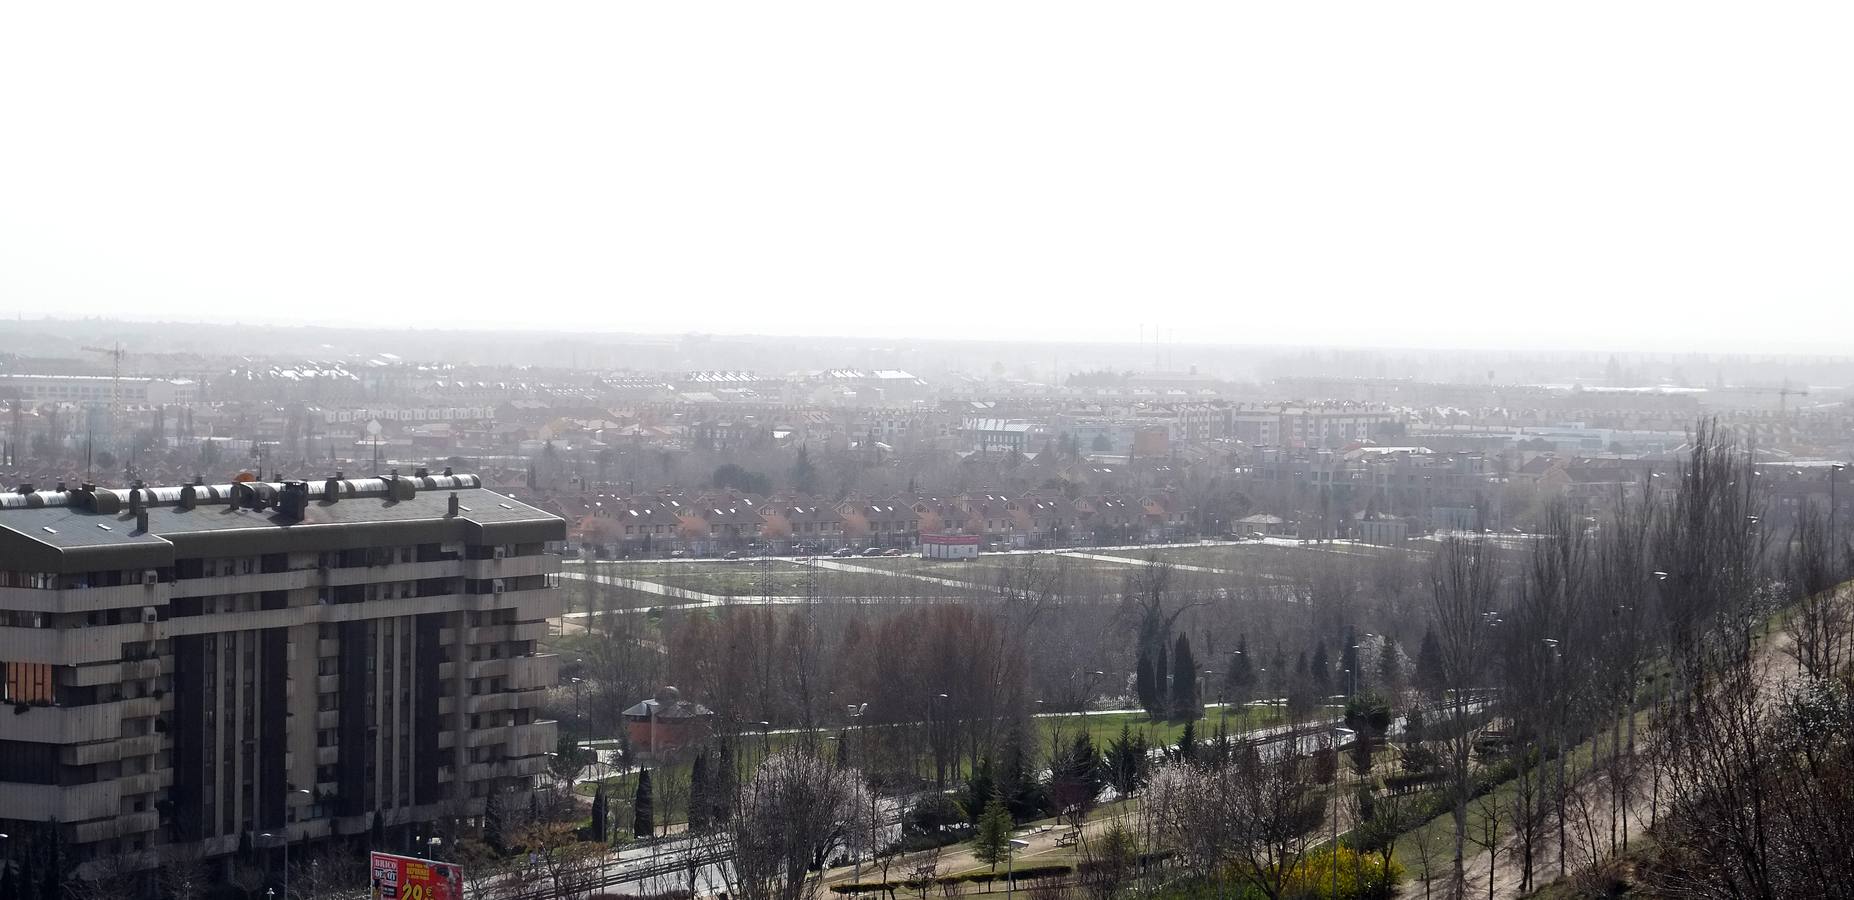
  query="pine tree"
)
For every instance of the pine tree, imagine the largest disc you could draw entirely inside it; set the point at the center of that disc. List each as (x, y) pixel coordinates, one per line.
(1075, 777)
(1185, 704)
(1321, 671)
(1429, 677)
(700, 805)
(644, 807)
(1017, 781)
(1127, 760)
(992, 843)
(981, 790)
(1144, 684)
(1390, 669)
(1187, 743)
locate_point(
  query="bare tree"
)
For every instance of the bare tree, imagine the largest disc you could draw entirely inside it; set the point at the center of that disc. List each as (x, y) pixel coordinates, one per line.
(1464, 579)
(797, 809)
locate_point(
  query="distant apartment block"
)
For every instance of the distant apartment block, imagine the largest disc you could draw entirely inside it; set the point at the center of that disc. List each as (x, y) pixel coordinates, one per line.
(96, 389)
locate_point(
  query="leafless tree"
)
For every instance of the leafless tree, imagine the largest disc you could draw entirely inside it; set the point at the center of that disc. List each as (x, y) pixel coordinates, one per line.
(797, 809)
(1464, 580)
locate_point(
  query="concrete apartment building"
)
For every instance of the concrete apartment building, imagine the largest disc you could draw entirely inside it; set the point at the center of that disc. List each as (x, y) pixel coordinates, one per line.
(198, 664)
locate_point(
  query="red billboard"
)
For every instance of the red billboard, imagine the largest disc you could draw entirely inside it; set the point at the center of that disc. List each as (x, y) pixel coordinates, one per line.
(408, 878)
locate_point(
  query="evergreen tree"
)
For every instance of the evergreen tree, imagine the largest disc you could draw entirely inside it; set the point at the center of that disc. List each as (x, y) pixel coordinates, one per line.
(1240, 679)
(1017, 781)
(992, 843)
(1429, 677)
(1185, 703)
(1128, 758)
(1075, 777)
(376, 834)
(981, 790)
(1161, 680)
(598, 814)
(494, 823)
(1390, 669)
(1144, 684)
(701, 807)
(1187, 743)
(1320, 669)
(725, 784)
(804, 474)
(644, 807)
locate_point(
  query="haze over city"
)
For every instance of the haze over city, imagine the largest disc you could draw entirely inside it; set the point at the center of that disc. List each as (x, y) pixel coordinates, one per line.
(1591, 176)
(789, 451)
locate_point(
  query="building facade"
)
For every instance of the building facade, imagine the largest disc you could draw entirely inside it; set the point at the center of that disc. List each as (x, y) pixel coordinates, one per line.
(198, 666)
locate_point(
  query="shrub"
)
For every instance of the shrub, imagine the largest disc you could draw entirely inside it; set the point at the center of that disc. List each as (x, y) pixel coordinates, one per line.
(1354, 875)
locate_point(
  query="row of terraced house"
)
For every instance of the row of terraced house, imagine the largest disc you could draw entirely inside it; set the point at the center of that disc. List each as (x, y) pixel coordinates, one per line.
(718, 522)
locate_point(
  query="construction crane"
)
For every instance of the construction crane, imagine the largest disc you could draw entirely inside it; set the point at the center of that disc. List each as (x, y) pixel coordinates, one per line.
(115, 353)
(1784, 393)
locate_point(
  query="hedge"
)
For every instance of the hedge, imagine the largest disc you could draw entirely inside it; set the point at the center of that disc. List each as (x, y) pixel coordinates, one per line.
(1023, 873)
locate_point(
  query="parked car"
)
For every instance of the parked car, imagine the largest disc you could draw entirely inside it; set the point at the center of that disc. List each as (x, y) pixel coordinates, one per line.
(731, 554)
(679, 554)
(892, 551)
(842, 552)
(873, 551)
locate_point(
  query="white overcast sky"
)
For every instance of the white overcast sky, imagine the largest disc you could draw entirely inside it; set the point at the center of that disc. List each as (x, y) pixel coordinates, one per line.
(1476, 174)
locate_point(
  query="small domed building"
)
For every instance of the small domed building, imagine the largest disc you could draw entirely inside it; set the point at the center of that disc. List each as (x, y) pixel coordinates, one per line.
(666, 722)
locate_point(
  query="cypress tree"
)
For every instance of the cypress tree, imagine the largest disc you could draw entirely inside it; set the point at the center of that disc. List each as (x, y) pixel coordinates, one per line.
(725, 783)
(1185, 704)
(643, 807)
(598, 814)
(1187, 742)
(1321, 671)
(1144, 684)
(1429, 675)
(1161, 682)
(700, 805)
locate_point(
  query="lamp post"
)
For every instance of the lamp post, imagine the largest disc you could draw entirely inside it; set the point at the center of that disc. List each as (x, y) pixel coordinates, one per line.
(1834, 512)
(1010, 865)
(292, 797)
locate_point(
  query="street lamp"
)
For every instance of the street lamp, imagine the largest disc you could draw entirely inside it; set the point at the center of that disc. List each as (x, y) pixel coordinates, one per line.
(1010, 865)
(292, 797)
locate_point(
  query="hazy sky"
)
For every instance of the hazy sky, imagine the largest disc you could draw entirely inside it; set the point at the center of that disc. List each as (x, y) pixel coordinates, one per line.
(1605, 174)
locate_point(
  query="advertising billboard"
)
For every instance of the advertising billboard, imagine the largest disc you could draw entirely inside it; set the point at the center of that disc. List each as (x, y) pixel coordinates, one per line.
(409, 878)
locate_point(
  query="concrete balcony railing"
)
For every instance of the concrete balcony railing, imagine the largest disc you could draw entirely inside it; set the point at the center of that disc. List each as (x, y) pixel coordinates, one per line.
(65, 724)
(511, 567)
(76, 646)
(145, 745)
(89, 754)
(538, 671)
(253, 583)
(327, 756)
(146, 783)
(141, 707)
(532, 739)
(64, 803)
(413, 571)
(327, 684)
(83, 600)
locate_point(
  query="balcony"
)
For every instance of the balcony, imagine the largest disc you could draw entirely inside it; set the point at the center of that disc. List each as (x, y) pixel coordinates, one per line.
(76, 646)
(533, 739)
(146, 783)
(253, 583)
(414, 571)
(70, 803)
(141, 707)
(327, 756)
(145, 745)
(83, 600)
(511, 567)
(538, 671)
(90, 754)
(136, 669)
(327, 684)
(65, 724)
